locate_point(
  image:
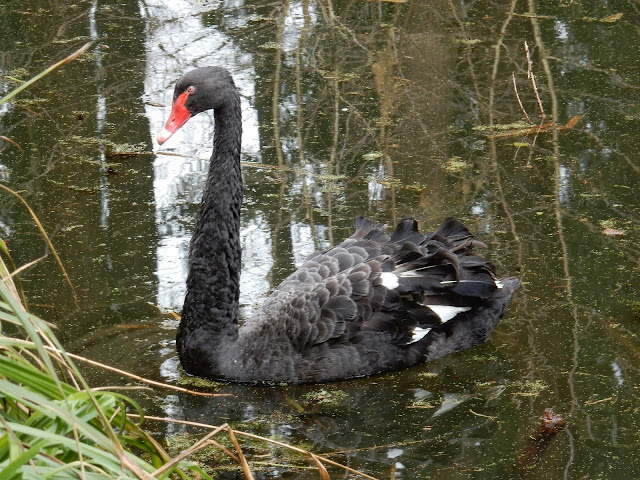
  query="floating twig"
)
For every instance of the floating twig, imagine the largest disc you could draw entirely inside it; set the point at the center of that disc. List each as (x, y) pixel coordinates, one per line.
(535, 129)
(138, 378)
(515, 89)
(595, 402)
(482, 415)
(532, 77)
(16, 144)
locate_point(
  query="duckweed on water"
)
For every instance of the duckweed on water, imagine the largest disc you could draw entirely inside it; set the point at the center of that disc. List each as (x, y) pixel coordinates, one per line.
(509, 129)
(372, 156)
(528, 388)
(335, 75)
(265, 422)
(422, 404)
(30, 102)
(609, 223)
(470, 41)
(484, 358)
(325, 397)
(209, 458)
(271, 46)
(503, 127)
(18, 75)
(485, 384)
(455, 165)
(198, 382)
(112, 148)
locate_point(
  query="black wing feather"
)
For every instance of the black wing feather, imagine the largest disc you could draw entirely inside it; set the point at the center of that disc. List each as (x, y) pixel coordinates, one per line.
(345, 299)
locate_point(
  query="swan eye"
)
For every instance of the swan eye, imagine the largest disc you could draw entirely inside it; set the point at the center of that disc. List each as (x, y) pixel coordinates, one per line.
(191, 89)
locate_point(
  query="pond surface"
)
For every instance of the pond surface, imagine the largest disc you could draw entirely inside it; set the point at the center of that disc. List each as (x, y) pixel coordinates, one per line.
(384, 109)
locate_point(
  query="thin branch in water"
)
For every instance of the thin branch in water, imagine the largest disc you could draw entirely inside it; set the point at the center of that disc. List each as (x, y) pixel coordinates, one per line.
(515, 89)
(224, 449)
(532, 77)
(138, 378)
(16, 144)
(27, 266)
(321, 468)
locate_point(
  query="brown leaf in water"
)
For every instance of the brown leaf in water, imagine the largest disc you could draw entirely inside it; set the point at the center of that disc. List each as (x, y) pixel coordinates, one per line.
(613, 18)
(573, 121)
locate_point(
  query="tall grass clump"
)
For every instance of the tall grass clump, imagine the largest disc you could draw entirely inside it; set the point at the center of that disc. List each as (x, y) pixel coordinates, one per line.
(52, 425)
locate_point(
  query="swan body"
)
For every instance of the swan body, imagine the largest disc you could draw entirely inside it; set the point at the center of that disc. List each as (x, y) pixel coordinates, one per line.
(376, 302)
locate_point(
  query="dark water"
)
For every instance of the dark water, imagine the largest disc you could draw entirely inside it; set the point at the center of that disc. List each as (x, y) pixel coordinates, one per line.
(351, 108)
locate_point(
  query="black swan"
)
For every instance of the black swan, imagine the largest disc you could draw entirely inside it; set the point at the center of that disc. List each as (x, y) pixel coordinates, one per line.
(376, 302)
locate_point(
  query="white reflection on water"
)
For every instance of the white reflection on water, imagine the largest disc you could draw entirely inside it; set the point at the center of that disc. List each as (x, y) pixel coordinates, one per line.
(177, 41)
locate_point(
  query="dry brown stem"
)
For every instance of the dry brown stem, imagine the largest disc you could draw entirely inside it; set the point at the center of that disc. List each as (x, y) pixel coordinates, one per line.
(532, 77)
(138, 378)
(318, 460)
(241, 460)
(45, 236)
(515, 89)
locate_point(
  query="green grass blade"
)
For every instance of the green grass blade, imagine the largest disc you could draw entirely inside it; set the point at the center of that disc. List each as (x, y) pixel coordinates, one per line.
(43, 232)
(11, 471)
(5, 273)
(27, 374)
(44, 73)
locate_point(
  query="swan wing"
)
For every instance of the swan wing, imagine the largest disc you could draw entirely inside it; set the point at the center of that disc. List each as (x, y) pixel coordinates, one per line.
(401, 285)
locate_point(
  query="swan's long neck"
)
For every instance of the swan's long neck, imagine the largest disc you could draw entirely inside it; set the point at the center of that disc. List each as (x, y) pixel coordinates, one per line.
(211, 303)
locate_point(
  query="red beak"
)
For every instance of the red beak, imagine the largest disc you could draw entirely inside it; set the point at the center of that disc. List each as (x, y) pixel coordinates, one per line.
(179, 116)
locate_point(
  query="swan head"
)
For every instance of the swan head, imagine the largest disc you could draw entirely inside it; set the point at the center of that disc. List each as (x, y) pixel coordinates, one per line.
(197, 91)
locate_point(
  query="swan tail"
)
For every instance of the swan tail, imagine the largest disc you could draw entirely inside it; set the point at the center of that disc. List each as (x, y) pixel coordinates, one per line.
(440, 297)
(468, 328)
